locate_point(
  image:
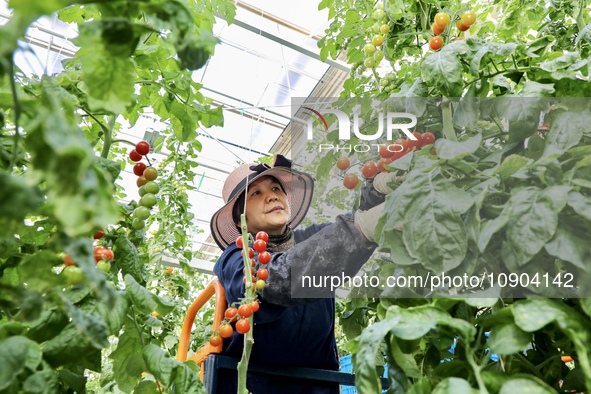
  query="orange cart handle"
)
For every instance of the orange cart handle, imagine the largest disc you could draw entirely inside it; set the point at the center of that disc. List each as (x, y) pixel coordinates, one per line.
(214, 287)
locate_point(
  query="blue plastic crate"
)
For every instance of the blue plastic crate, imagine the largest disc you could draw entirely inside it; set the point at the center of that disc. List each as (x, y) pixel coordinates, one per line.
(347, 366)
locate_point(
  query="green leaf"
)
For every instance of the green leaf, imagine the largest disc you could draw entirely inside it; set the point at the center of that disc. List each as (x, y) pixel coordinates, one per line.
(146, 387)
(128, 363)
(511, 165)
(20, 197)
(75, 381)
(169, 371)
(526, 385)
(533, 222)
(568, 128)
(492, 48)
(35, 8)
(584, 34)
(580, 203)
(67, 347)
(428, 209)
(92, 327)
(536, 89)
(108, 80)
(466, 112)
(493, 226)
(508, 339)
(114, 316)
(128, 260)
(366, 376)
(454, 386)
(41, 382)
(16, 353)
(141, 297)
(421, 387)
(443, 70)
(406, 362)
(570, 244)
(523, 114)
(113, 168)
(450, 150)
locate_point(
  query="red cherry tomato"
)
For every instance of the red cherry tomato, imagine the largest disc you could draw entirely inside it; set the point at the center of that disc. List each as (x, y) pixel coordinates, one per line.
(143, 148)
(99, 233)
(259, 245)
(68, 262)
(250, 253)
(101, 253)
(435, 43)
(262, 273)
(216, 340)
(230, 313)
(239, 242)
(369, 169)
(134, 156)
(264, 258)
(139, 168)
(418, 143)
(262, 236)
(226, 330)
(350, 181)
(242, 326)
(343, 163)
(384, 152)
(245, 310)
(428, 138)
(255, 306)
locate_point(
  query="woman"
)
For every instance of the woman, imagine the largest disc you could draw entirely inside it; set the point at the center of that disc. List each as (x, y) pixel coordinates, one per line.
(294, 326)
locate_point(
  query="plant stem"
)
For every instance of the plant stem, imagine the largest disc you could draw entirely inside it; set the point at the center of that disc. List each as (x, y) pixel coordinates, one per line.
(124, 141)
(17, 114)
(529, 365)
(476, 369)
(448, 129)
(108, 136)
(248, 337)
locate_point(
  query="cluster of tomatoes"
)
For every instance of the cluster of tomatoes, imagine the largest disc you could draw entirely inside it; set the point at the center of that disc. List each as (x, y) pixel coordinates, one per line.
(102, 256)
(441, 21)
(148, 188)
(388, 153)
(371, 49)
(239, 316)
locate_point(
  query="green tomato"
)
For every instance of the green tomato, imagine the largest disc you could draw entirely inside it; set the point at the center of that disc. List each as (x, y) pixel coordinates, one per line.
(380, 5)
(379, 55)
(141, 213)
(138, 224)
(369, 49)
(142, 190)
(379, 14)
(369, 62)
(74, 275)
(151, 187)
(104, 266)
(148, 200)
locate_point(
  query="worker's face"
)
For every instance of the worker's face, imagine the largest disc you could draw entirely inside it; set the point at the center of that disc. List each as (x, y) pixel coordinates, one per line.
(266, 207)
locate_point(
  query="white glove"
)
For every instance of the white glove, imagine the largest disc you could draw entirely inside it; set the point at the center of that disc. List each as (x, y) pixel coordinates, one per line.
(381, 180)
(366, 221)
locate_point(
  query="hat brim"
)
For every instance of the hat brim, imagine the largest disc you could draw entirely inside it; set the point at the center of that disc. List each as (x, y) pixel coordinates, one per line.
(299, 188)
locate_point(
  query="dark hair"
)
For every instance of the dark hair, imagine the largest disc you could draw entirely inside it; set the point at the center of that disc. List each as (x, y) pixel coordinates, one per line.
(238, 207)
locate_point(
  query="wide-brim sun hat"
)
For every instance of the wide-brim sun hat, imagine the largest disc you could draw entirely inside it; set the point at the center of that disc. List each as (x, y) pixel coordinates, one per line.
(298, 187)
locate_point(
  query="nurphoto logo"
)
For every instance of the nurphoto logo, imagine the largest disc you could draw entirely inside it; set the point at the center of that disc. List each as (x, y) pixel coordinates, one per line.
(389, 122)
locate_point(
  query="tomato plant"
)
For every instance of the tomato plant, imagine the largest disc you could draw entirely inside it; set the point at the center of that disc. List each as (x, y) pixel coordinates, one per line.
(100, 326)
(491, 168)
